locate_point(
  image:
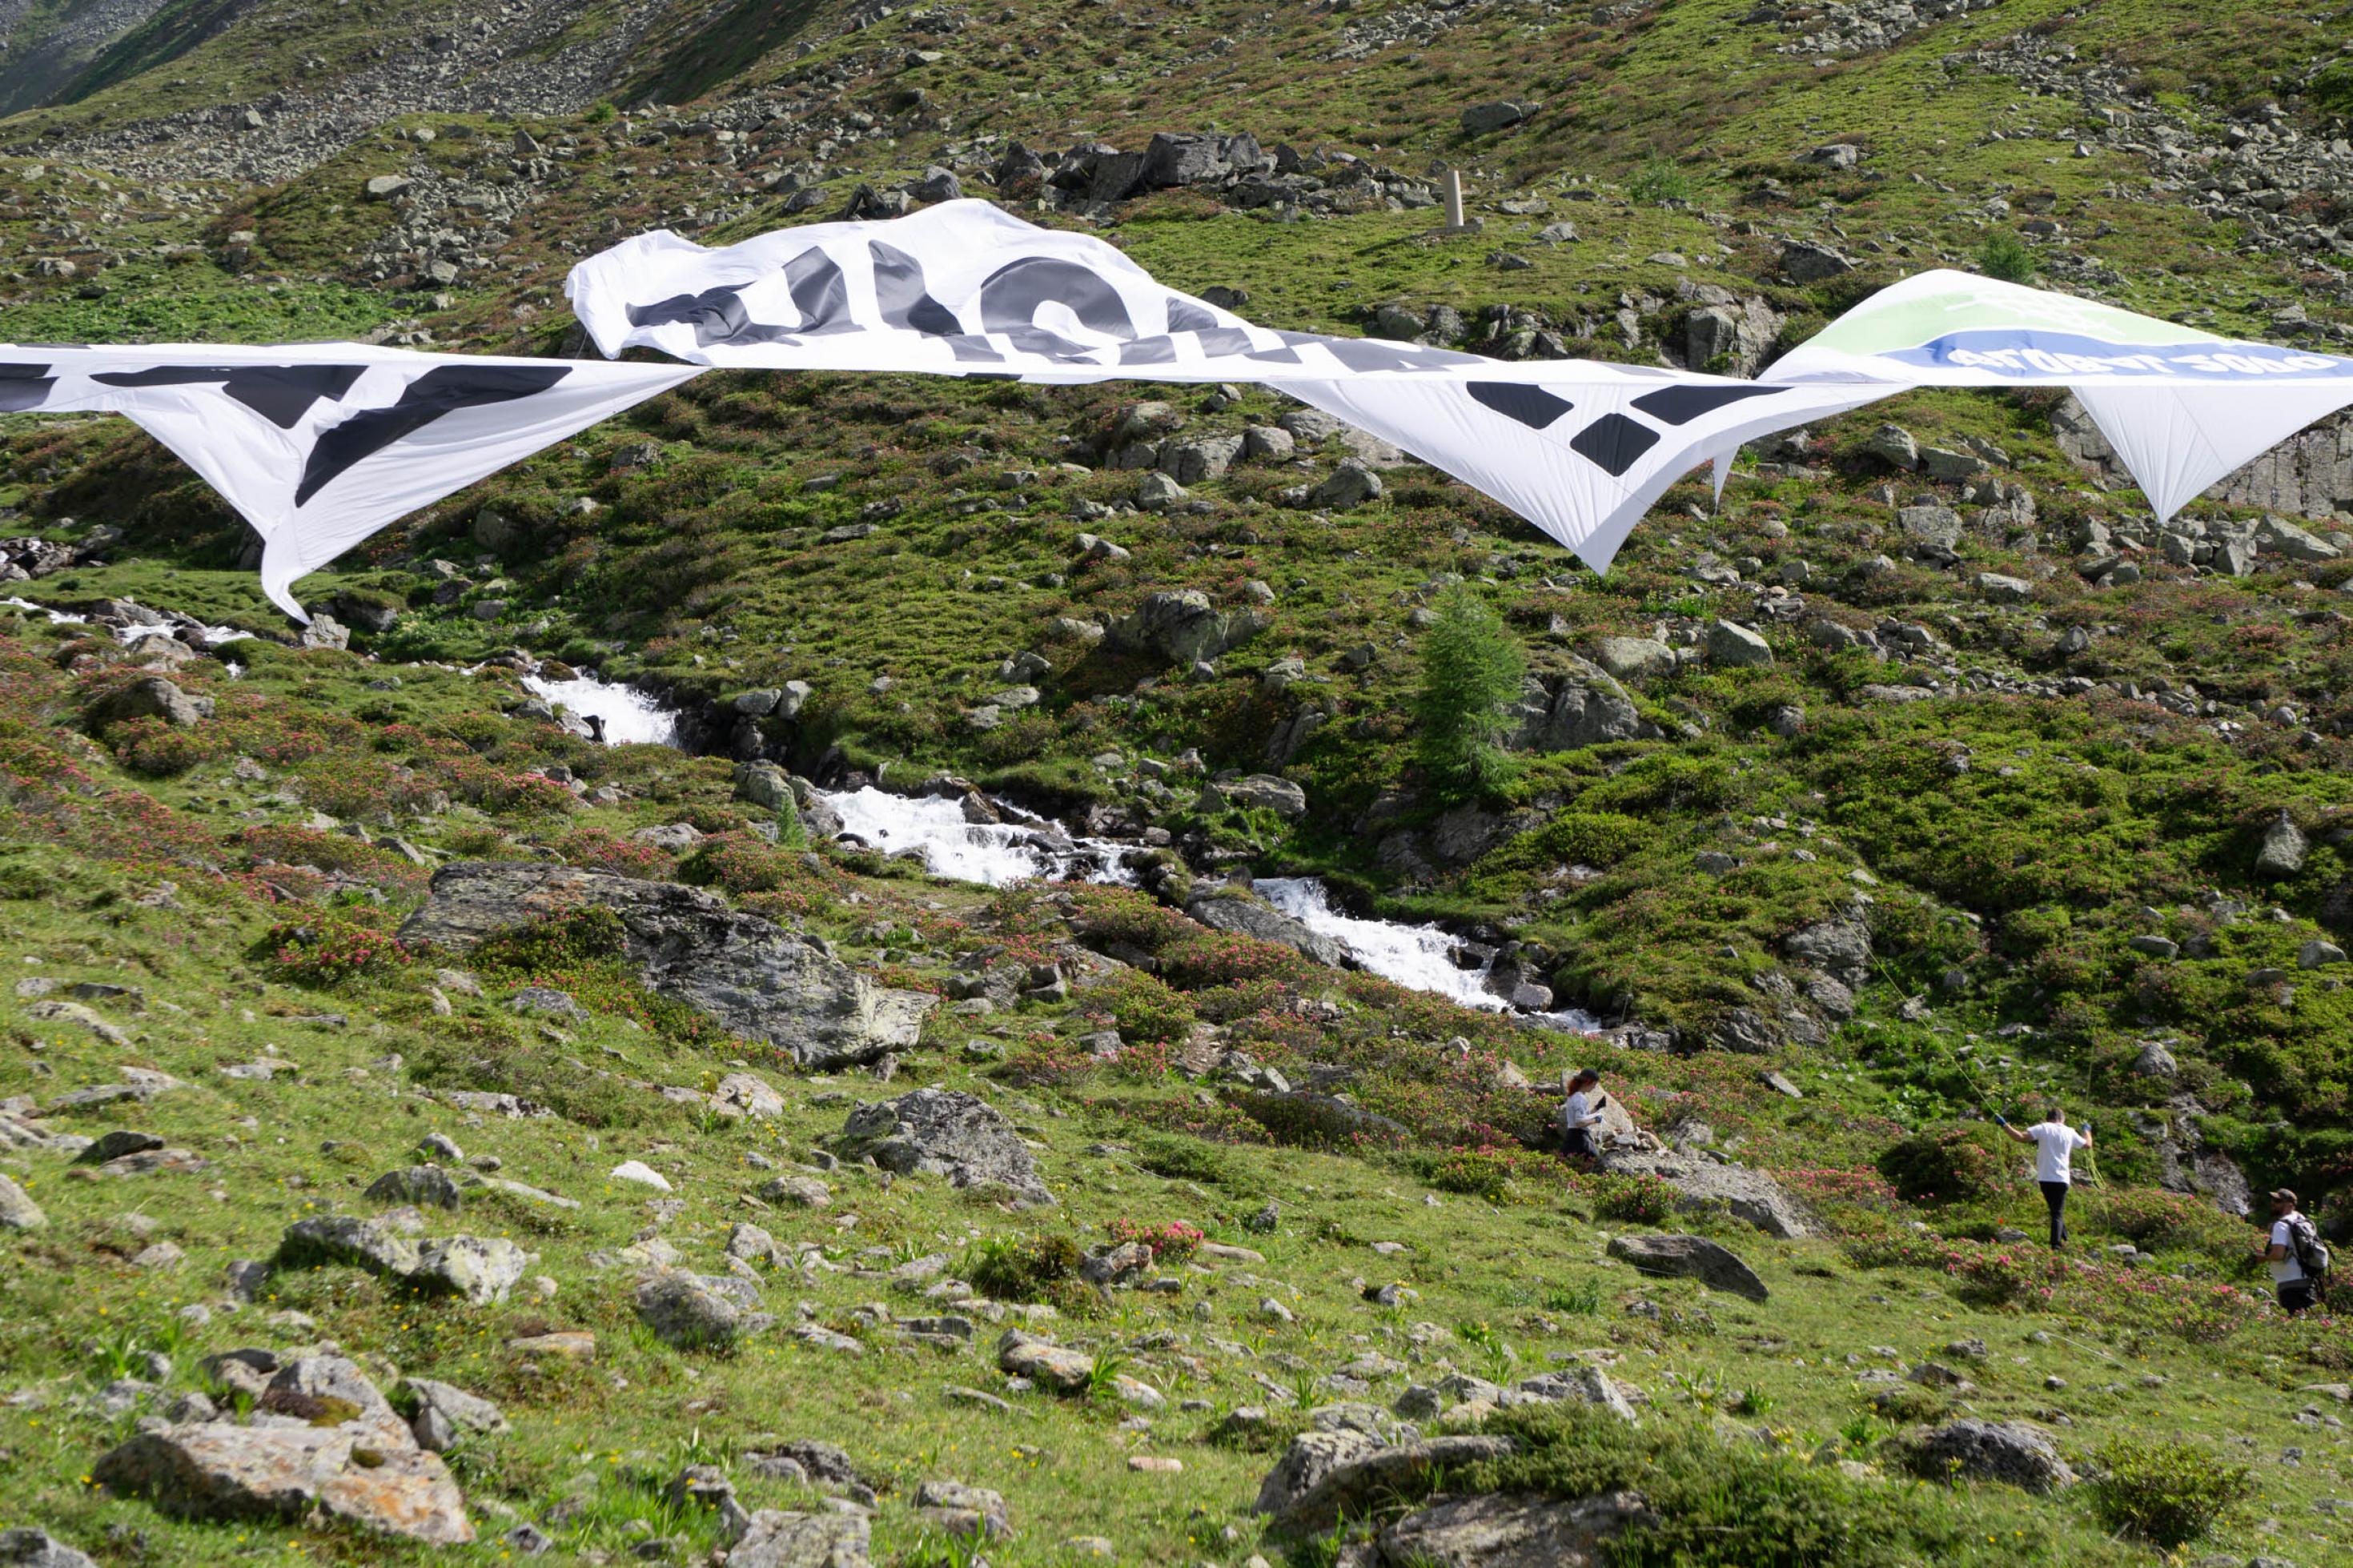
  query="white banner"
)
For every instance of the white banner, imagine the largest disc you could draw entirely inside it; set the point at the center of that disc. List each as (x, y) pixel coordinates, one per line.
(1579, 448)
(320, 444)
(2182, 408)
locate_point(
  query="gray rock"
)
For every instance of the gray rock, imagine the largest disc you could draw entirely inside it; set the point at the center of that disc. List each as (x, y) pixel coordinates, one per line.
(1180, 626)
(2010, 1452)
(1482, 118)
(1350, 484)
(966, 1510)
(366, 1471)
(1199, 458)
(480, 1268)
(152, 697)
(1587, 708)
(1157, 491)
(2003, 590)
(29, 1548)
(1246, 916)
(2283, 848)
(693, 1311)
(1511, 1530)
(18, 1209)
(1702, 1183)
(1892, 445)
(445, 1414)
(1805, 262)
(1346, 1485)
(1934, 530)
(1690, 1258)
(1573, 1386)
(754, 977)
(2318, 954)
(1840, 949)
(807, 1192)
(2155, 1061)
(1043, 1361)
(1261, 792)
(428, 1185)
(776, 1538)
(347, 1241)
(1730, 644)
(945, 1132)
(1634, 659)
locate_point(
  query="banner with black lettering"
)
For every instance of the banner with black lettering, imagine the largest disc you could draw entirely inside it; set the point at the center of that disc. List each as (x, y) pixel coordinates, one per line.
(320, 444)
(1579, 448)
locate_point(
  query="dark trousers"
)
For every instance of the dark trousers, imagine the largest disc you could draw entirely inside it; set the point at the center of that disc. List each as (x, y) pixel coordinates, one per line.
(2296, 1295)
(1581, 1143)
(2055, 1194)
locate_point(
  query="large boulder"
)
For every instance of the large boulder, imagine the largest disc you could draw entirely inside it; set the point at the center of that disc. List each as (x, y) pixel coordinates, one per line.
(777, 1538)
(333, 1445)
(2011, 1452)
(1690, 1258)
(1509, 1529)
(18, 1209)
(945, 1132)
(29, 1548)
(1703, 1182)
(154, 697)
(1346, 1485)
(1583, 708)
(696, 1311)
(1057, 1367)
(754, 977)
(1245, 916)
(1840, 949)
(1181, 626)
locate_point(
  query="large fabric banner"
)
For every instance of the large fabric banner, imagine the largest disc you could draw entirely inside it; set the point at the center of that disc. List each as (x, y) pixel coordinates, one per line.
(2182, 408)
(1579, 448)
(320, 444)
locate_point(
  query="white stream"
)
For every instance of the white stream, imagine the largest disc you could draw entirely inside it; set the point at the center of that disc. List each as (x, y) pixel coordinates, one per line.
(1421, 957)
(129, 634)
(631, 717)
(1026, 847)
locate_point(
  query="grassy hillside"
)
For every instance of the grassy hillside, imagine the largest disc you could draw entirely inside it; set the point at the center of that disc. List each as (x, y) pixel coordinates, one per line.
(2047, 789)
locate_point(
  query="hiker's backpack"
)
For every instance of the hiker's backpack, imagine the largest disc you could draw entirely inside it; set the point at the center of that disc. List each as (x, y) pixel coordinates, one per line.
(2311, 1253)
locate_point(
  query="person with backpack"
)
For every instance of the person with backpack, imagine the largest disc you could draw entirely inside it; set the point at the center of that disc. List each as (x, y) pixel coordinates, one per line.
(2055, 1145)
(1582, 1115)
(2299, 1259)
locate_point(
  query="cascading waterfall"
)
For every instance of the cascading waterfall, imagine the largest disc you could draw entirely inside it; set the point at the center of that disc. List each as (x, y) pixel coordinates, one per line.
(1027, 848)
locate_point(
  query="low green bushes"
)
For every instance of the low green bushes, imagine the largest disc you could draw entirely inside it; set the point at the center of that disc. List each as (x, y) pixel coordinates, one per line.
(1953, 1164)
(2167, 1493)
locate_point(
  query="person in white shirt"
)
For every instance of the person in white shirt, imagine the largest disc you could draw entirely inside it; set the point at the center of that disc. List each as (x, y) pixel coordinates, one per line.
(1582, 1114)
(2293, 1285)
(2055, 1145)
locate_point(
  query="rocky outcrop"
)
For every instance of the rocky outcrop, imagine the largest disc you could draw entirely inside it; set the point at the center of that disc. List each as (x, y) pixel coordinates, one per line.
(1690, 1258)
(1705, 1180)
(344, 1454)
(754, 976)
(1327, 1476)
(945, 1132)
(1243, 915)
(1584, 706)
(777, 1538)
(1181, 626)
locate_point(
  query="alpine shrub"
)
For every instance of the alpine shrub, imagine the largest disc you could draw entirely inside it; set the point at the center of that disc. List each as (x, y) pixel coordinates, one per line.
(2168, 1493)
(1951, 1166)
